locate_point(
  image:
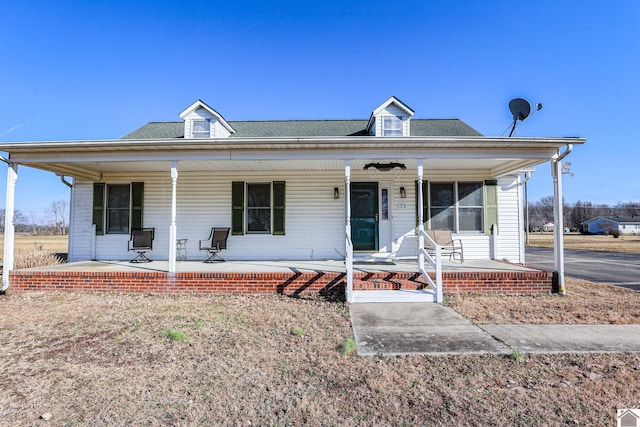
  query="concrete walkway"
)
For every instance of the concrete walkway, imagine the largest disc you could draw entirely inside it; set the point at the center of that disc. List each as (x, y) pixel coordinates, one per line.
(417, 328)
(429, 328)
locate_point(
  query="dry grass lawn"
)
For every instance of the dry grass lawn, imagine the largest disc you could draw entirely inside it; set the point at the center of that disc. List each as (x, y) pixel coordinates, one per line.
(624, 243)
(585, 303)
(47, 244)
(133, 359)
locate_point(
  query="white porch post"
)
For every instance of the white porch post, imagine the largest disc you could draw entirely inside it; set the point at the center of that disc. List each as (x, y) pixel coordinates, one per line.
(558, 224)
(420, 216)
(12, 177)
(172, 228)
(348, 244)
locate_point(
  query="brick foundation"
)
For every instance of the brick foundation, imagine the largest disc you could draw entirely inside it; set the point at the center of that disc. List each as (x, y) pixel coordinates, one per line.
(290, 283)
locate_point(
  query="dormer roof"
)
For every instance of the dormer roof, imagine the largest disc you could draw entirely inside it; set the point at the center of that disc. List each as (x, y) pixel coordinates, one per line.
(393, 100)
(201, 104)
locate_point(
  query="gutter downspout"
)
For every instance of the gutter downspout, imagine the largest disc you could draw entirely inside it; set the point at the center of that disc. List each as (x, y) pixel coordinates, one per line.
(558, 226)
(64, 181)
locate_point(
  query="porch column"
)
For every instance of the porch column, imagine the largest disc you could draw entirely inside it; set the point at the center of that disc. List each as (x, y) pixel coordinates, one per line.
(420, 216)
(172, 228)
(558, 224)
(12, 177)
(348, 244)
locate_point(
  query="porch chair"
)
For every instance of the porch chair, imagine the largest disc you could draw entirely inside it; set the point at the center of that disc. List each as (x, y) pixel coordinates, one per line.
(141, 241)
(216, 242)
(449, 245)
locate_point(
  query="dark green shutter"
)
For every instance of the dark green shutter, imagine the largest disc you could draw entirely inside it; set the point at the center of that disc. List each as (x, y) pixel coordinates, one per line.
(491, 204)
(98, 207)
(425, 202)
(137, 203)
(278, 207)
(237, 208)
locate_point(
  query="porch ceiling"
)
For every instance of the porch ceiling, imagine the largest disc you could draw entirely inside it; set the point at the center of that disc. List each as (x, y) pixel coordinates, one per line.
(432, 167)
(91, 159)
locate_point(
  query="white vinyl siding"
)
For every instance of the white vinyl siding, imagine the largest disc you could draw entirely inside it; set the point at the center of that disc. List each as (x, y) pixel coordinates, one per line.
(81, 237)
(510, 228)
(314, 219)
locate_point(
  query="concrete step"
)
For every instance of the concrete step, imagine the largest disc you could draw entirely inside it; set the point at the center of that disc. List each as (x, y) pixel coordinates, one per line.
(403, 295)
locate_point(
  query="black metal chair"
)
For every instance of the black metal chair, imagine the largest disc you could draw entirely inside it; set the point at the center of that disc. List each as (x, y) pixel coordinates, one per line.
(216, 242)
(141, 241)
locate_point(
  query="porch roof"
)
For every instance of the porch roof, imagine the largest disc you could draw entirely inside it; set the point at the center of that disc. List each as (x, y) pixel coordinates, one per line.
(91, 159)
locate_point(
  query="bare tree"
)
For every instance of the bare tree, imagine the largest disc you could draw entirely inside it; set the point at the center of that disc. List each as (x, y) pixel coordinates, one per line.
(58, 212)
(581, 211)
(627, 209)
(34, 223)
(19, 220)
(541, 212)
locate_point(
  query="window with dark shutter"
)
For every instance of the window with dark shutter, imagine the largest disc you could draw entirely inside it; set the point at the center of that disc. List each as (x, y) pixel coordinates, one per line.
(425, 203)
(98, 207)
(278, 207)
(237, 208)
(491, 204)
(137, 203)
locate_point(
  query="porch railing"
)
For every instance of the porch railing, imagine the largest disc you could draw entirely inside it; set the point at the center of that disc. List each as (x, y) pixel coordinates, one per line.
(436, 263)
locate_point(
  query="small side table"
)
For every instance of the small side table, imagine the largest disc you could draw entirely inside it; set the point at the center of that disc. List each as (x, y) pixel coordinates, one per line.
(181, 249)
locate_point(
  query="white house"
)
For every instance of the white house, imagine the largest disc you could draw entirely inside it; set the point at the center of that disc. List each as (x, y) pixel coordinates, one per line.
(605, 225)
(294, 189)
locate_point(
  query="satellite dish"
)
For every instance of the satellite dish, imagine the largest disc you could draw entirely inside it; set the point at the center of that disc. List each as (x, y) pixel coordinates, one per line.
(520, 108)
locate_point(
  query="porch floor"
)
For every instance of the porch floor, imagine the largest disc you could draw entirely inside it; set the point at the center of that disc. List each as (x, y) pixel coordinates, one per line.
(284, 266)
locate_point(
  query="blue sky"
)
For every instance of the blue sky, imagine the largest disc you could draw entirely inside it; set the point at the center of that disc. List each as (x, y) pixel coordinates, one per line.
(98, 70)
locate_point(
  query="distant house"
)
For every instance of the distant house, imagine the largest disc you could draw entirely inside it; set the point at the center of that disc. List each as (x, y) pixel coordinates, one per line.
(605, 225)
(548, 227)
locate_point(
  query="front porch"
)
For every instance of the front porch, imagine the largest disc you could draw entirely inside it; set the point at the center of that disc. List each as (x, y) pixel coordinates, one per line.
(371, 282)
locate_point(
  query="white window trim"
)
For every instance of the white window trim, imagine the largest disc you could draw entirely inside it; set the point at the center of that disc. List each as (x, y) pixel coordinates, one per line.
(456, 207)
(107, 208)
(201, 135)
(400, 121)
(246, 209)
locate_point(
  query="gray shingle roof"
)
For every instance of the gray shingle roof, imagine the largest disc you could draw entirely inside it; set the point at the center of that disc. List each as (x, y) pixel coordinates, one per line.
(618, 219)
(302, 128)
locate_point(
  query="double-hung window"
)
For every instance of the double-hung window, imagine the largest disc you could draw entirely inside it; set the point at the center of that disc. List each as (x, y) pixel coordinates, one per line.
(117, 207)
(456, 206)
(470, 206)
(257, 208)
(391, 126)
(200, 128)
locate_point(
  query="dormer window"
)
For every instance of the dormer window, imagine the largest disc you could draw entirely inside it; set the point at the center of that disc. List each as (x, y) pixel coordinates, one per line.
(201, 128)
(391, 126)
(392, 118)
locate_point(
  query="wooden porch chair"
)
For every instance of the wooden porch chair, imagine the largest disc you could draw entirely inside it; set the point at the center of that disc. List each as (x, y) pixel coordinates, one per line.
(216, 242)
(141, 241)
(450, 246)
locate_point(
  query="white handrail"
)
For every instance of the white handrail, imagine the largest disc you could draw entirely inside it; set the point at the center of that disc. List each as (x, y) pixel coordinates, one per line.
(436, 263)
